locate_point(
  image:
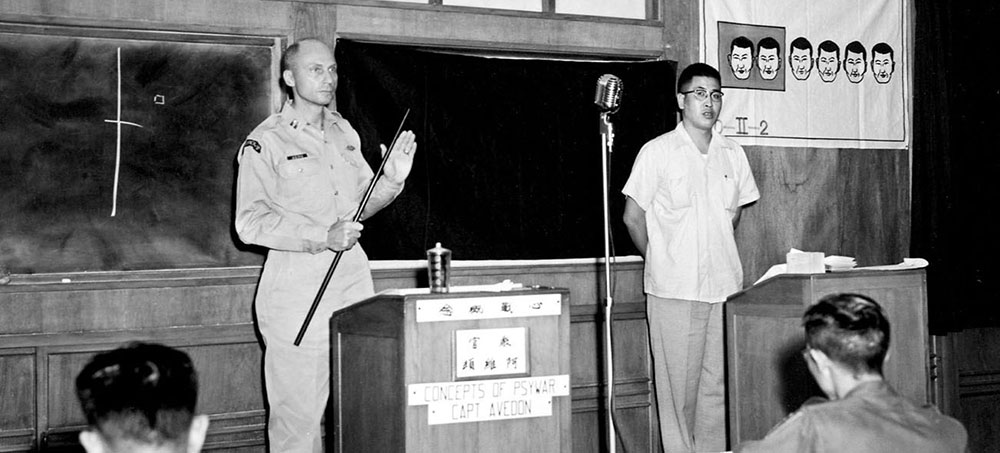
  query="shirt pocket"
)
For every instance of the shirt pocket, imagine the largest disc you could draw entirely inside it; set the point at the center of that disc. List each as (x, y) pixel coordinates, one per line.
(302, 185)
(677, 189)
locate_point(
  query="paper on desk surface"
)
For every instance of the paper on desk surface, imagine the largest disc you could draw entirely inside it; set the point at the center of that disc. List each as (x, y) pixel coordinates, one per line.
(908, 263)
(840, 264)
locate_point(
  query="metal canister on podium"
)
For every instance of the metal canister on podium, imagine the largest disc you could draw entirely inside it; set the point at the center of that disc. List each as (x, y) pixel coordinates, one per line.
(438, 268)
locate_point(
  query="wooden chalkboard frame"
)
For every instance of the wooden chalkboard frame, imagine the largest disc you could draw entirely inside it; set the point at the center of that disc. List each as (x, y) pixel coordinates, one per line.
(20, 253)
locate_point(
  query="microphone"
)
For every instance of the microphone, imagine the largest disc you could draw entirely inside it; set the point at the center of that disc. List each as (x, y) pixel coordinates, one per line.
(609, 93)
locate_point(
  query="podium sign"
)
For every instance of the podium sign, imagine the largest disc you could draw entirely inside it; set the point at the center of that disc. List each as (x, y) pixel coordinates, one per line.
(458, 402)
(472, 371)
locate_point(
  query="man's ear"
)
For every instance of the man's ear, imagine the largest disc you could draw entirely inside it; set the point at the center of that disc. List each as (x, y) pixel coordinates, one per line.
(196, 436)
(822, 361)
(288, 77)
(680, 101)
(91, 441)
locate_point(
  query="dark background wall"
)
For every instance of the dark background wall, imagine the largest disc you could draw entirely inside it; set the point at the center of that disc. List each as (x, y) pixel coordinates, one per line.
(509, 149)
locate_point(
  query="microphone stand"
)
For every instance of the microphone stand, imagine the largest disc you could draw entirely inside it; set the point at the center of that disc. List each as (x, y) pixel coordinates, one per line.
(607, 142)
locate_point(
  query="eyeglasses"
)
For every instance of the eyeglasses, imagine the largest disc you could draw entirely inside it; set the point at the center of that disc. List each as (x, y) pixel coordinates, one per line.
(701, 94)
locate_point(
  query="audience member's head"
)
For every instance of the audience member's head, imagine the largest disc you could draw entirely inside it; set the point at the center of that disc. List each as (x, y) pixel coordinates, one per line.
(140, 398)
(847, 339)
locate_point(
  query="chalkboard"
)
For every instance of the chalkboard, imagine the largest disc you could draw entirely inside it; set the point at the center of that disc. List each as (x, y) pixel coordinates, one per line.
(117, 148)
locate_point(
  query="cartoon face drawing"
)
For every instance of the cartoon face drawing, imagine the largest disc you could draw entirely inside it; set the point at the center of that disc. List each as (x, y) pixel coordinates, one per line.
(741, 57)
(828, 61)
(800, 58)
(883, 64)
(855, 62)
(768, 58)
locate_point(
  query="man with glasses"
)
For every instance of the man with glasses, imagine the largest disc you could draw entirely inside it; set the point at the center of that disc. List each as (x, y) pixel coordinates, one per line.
(300, 182)
(684, 198)
(141, 398)
(847, 340)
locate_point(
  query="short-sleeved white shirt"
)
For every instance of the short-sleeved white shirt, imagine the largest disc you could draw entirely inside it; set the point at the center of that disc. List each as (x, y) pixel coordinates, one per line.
(690, 202)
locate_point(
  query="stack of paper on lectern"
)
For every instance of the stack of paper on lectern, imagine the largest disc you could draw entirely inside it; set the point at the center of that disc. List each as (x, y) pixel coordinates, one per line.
(800, 262)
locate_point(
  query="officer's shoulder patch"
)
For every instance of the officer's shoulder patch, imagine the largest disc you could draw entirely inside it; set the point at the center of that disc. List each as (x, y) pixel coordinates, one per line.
(252, 144)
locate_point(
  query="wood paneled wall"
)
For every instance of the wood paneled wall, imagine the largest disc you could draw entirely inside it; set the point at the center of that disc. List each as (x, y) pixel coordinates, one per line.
(971, 375)
(57, 327)
(850, 202)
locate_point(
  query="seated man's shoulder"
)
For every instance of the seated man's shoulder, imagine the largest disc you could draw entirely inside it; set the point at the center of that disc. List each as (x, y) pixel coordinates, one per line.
(946, 425)
(794, 433)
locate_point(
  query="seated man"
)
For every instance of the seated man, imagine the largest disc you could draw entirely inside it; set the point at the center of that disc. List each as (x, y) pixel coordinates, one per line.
(847, 337)
(140, 398)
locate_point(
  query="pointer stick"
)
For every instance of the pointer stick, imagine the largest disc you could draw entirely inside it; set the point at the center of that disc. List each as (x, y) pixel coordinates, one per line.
(357, 216)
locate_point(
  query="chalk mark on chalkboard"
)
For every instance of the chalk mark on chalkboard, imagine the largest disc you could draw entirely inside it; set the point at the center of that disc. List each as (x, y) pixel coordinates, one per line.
(118, 139)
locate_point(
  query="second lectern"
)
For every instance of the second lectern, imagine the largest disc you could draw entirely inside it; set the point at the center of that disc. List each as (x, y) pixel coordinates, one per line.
(766, 376)
(455, 372)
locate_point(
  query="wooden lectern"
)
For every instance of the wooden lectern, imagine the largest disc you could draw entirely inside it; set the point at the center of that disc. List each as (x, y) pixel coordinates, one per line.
(766, 376)
(452, 372)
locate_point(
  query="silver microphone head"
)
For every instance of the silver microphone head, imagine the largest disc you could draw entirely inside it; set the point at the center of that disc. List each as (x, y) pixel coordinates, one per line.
(609, 93)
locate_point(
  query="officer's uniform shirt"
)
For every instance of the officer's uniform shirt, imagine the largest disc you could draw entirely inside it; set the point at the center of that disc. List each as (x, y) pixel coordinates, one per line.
(296, 180)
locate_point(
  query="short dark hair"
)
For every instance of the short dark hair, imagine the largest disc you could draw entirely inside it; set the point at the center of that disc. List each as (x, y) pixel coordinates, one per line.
(856, 47)
(741, 41)
(697, 70)
(142, 393)
(802, 43)
(768, 42)
(851, 329)
(882, 48)
(829, 46)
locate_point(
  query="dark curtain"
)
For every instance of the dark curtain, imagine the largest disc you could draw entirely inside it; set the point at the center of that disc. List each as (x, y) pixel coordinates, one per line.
(508, 164)
(955, 162)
